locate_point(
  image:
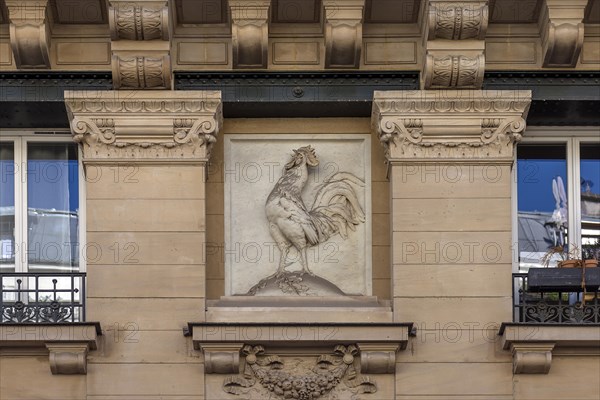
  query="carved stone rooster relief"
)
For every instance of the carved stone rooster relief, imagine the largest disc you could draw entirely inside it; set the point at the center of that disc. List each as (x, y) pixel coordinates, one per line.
(334, 210)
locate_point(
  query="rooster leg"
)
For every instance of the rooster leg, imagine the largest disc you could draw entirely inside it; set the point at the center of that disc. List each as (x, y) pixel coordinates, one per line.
(285, 249)
(303, 258)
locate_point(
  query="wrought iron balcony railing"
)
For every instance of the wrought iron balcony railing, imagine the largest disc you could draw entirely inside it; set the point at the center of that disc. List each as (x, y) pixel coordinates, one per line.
(42, 297)
(541, 305)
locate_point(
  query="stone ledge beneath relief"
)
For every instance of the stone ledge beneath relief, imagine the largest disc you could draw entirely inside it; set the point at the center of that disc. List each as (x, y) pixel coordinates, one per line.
(293, 334)
(299, 310)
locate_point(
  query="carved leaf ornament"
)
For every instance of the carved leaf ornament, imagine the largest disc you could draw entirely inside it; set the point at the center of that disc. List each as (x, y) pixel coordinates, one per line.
(330, 371)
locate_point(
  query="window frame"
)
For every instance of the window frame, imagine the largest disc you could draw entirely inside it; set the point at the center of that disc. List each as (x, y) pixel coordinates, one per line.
(20, 139)
(572, 137)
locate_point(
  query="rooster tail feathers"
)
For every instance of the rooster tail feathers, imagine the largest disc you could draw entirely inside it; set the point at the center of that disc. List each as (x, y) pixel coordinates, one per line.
(336, 207)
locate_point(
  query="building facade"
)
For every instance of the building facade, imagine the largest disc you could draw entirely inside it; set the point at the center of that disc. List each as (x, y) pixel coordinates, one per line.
(307, 199)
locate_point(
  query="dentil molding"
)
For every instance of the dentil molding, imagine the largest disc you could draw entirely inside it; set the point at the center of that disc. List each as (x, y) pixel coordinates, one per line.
(29, 33)
(562, 30)
(144, 126)
(452, 125)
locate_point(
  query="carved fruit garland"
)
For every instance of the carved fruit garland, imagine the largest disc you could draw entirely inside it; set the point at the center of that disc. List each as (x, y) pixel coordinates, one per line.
(329, 372)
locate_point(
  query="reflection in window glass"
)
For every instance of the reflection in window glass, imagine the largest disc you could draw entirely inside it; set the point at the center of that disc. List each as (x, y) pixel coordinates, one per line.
(590, 200)
(53, 207)
(7, 207)
(542, 202)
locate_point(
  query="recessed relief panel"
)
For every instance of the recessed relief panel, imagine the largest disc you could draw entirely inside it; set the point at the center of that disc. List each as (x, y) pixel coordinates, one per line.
(297, 215)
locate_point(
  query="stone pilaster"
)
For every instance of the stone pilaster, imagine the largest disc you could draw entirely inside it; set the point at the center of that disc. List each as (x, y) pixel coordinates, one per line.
(145, 156)
(454, 43)
(561, 29)
(343, 33)
(250, 33)
(449, 156)
(29, 33)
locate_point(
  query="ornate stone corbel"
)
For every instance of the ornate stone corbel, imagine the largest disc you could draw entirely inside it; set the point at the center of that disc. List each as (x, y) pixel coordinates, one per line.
(561, 29)
(454, 71)
(457, 20)
(138, 20)
(458, 60)
(144, 125)
(68, 358)
(132, 71)
(250, 33)
(532, 358)
(343, 33)
(140, 45)
(431, 126)
(29, 34)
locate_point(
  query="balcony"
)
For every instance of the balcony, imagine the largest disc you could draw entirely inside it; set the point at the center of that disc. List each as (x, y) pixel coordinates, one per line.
(556, 296)
(42, 297)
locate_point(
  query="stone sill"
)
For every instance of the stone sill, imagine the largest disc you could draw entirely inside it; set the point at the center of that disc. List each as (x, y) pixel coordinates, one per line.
(31, 335)
(298, 333)
(572, 335)
(67, 344)
(532, 345)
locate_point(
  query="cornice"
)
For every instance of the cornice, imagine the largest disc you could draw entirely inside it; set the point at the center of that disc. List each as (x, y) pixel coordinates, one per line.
(432, 126)
(144, 125)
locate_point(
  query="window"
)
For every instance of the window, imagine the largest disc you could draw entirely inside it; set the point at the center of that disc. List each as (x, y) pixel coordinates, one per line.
(40, 224)
(557, 200)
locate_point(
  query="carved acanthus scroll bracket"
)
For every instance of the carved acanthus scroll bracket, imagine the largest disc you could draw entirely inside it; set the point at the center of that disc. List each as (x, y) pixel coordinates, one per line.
(29, 33)
(457, 20)
(454, 71)
(141, 54)
(458, 59)
(144, 20)
(141, 72)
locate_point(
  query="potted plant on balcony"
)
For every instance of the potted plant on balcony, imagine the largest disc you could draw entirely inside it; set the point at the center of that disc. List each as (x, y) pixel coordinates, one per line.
(570, 276)
(590, 253)
(566, 259)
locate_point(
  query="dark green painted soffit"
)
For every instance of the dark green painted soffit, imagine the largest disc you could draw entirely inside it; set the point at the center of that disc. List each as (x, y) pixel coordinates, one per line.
(35, 99)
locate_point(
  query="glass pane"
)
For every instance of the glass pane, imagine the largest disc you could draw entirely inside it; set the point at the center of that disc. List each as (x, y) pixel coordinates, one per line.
(7, 207)
(542, 202)
(590, 200)
(53, 207)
